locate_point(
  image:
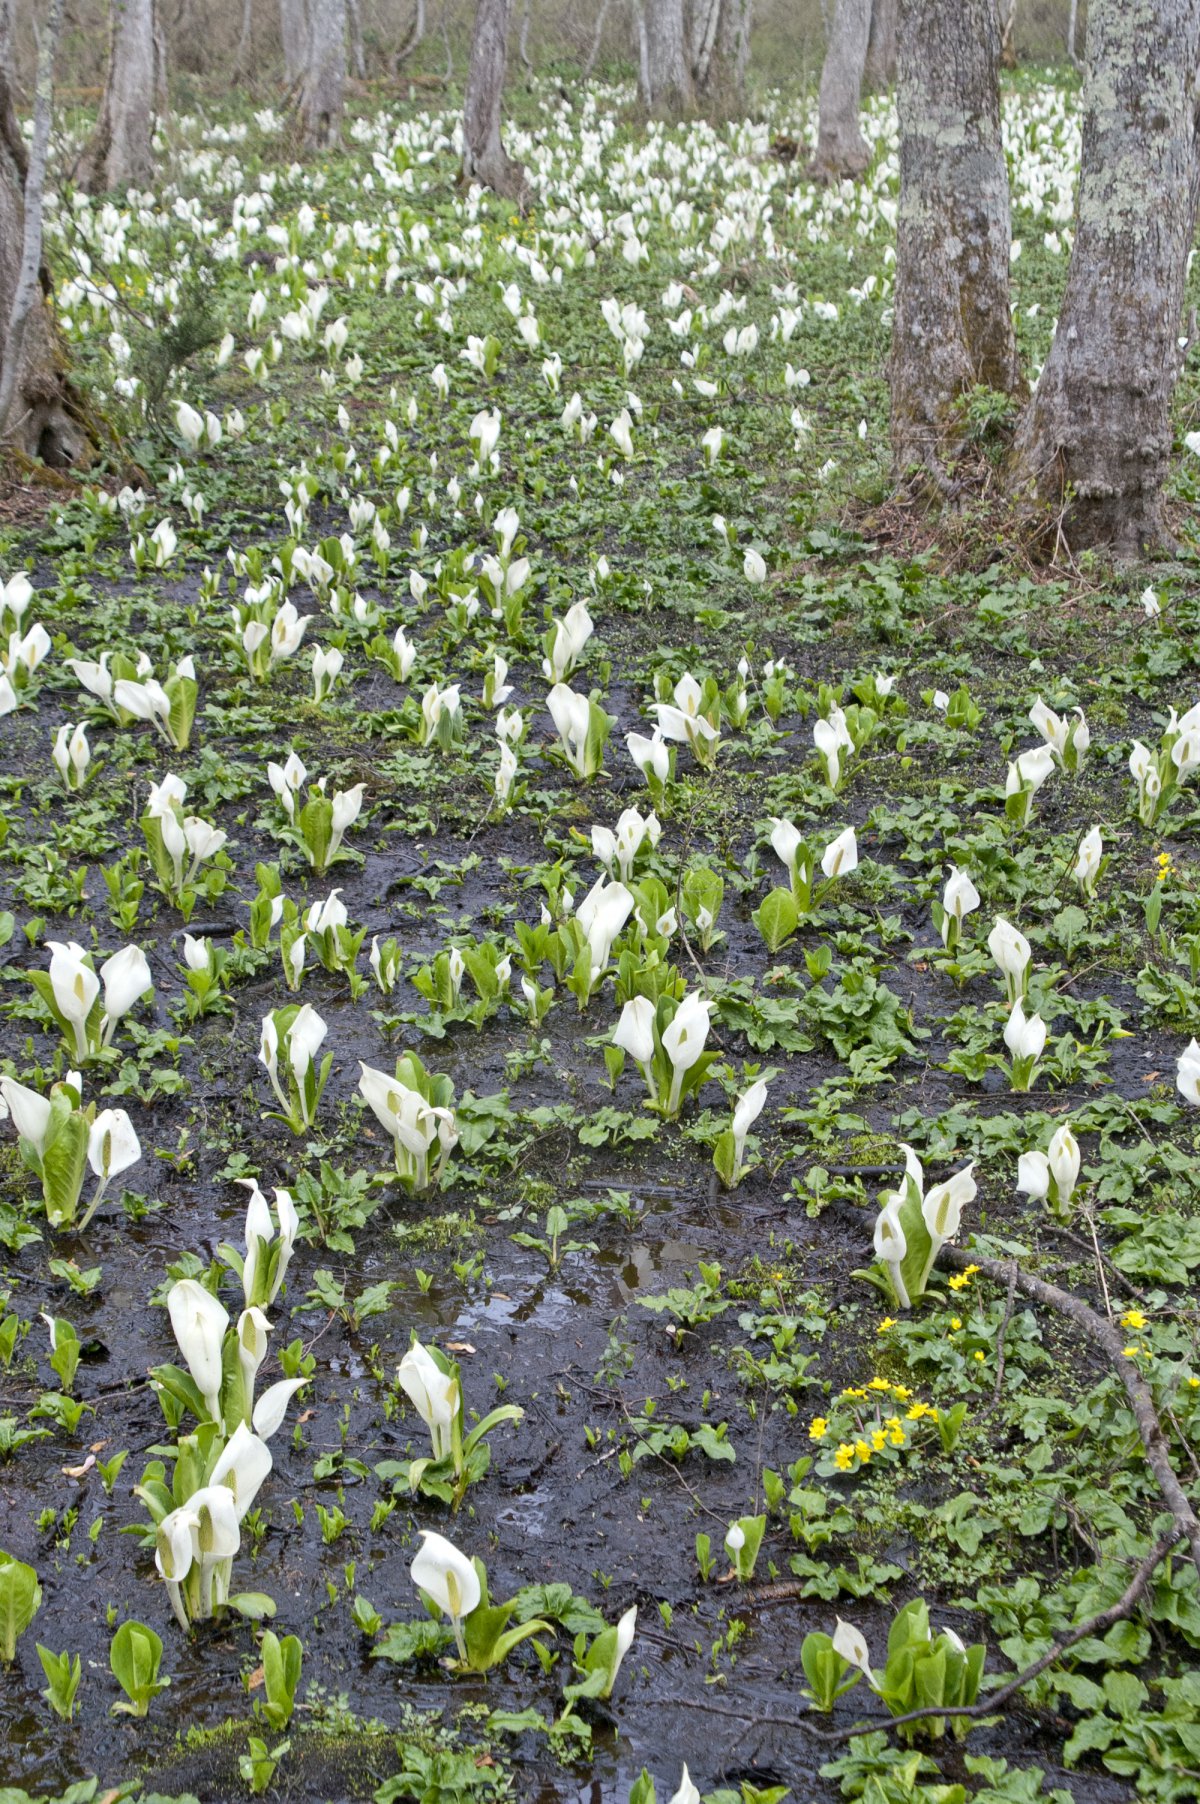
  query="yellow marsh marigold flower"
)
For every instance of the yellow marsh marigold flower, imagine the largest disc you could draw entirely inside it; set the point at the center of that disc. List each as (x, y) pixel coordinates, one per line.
(843, 1459)
(1133, 1318)
(863, 1451)
(818, 1428)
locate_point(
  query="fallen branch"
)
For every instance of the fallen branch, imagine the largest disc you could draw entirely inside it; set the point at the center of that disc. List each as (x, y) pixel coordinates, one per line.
(1002, 1341)
(1104, 1336)
(985, 1707)
(1095, 1625)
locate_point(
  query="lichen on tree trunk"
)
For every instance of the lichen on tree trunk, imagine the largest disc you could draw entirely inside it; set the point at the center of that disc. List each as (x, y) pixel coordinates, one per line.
(485, 159)
(666, 89)
(323, 87)
(1097, 431)
(952, 328)
(119, 154)
(841, 148)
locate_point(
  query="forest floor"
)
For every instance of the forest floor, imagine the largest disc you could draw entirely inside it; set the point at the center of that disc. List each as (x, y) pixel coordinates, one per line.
(686, 1354)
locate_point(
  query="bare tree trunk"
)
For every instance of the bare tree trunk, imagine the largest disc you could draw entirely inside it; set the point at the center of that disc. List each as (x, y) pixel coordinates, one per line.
(119, 154)
(485, 159)
(880, 71)
(6, 32)
(1097, 432)
(323, 86)
(597, 36)
(951, 327)
(242, 59)
(1007, 13)
(841, 148)
(720, 53)
(643, 46)
(416, 33)
(445, 25)
(293, 29)
(666, 71)
(358, 60)
(38, 414)
(1072, 30)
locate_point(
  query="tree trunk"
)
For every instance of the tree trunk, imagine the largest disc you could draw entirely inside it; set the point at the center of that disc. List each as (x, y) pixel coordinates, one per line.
(1072, 29)
(841, 148)
(597, 35)
(324, 74)
(880, 71)
(523, 46)
(1007, 12)
(1097, 432)
(720, 53)
(643, 48)
(666, 67)
(242, 59)
(39, 413)
(293, 29)
(416, 32)
(358, 59)
(951, 325)
(485, 159)
(119, 154)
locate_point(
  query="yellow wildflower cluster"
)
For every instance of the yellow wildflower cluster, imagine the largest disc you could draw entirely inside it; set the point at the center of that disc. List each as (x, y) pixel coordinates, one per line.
(1133, 1318)
(960, 1280)
(1165, 867)
(889, 1431)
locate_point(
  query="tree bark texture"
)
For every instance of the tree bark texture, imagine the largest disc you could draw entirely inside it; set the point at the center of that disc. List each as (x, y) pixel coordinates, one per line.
(952, 328)
(841, 148)
(41, 416)
(323, 86)
(880, 71)
(293, 30)
(720, 54)
(485, 159)
(666, 67)
(119, 154)
(1098, 427)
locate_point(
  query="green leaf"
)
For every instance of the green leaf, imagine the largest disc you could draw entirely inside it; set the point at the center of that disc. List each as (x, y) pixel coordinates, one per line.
(777, 918)
(20, 1599)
